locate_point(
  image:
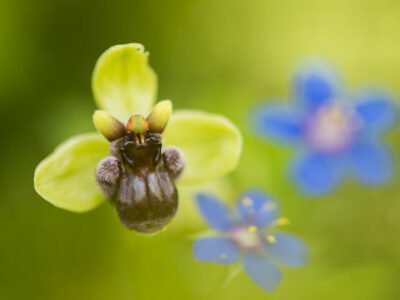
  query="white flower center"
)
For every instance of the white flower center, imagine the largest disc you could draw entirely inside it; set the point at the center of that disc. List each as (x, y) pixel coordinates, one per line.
(331, 129)
(247, 237)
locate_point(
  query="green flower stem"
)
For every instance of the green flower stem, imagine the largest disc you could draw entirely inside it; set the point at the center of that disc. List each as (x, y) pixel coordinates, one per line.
(228, 273)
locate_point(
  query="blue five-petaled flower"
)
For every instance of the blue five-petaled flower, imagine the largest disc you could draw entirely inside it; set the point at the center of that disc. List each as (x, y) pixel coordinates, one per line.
(339, 134)
(245, 231)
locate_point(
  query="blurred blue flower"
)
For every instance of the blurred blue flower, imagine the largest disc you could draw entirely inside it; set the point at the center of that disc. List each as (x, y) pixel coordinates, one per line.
(245, 231)
(339, 134)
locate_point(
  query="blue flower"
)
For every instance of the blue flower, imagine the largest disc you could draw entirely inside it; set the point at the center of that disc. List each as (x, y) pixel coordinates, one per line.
(339, 134)
(245, 232)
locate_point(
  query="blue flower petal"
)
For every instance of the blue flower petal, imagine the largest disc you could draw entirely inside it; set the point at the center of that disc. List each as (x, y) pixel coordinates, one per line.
(288, 249)
(315, 85)
(277, 122)
(257, 208)
(215, 212)
(372, 163)
(377, 110)
(316, 173)
(262, 271)
(216, 249)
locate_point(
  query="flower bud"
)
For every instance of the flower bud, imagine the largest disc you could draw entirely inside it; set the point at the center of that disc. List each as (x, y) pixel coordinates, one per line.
(159, 116)
(108, 126)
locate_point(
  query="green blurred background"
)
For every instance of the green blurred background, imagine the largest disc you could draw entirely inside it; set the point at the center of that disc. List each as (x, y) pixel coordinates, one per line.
(217, 55)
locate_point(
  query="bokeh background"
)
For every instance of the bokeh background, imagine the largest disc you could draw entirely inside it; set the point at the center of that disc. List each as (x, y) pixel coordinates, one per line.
(216, 55)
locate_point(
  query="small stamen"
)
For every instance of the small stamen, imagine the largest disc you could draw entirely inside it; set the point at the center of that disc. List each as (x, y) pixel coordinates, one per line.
(271, 239)
(252, 229)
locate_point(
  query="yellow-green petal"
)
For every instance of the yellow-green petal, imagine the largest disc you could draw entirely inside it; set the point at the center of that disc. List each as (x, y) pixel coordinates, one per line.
(66, 178)
(123, 83)
(211, 143)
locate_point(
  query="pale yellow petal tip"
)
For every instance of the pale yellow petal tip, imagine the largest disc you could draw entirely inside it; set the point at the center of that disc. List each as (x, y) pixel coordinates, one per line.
(113, 54)
(252, 229)
(159, 116)
(130, 47)
(108, 126)
(137, 124)
(271, 239)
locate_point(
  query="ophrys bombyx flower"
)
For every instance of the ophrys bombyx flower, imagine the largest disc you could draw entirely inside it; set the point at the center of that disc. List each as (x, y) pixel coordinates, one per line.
(247, 231)
(138, 177)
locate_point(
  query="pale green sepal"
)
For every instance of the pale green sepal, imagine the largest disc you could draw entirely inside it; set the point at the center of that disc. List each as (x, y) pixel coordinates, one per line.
(211, 143)
(123, 83)
(66, 178)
